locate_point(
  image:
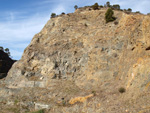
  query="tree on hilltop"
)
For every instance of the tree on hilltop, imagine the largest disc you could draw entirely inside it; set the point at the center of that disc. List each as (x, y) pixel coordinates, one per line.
(116, 6)
(7, 51)
(129, 9)
(76, 7)
(95, 6)
(53, 15)
(1, 48)
(108, 4)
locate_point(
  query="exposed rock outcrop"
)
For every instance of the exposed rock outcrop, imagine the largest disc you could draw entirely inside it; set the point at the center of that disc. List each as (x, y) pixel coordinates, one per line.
(78, 53)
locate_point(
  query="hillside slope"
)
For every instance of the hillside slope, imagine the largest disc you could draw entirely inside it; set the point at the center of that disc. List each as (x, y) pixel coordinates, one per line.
(78, 54)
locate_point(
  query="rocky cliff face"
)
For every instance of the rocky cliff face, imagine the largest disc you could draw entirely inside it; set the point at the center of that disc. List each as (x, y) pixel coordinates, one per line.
(5, 64)
(77, 54)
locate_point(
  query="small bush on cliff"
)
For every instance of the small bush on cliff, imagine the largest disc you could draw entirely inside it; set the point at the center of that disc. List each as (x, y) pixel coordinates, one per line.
(53, 15)
(76, 7)
(95, 6)
(122, 90)
(109, 15)
(129, 9)
(116, 6)
(116, 23)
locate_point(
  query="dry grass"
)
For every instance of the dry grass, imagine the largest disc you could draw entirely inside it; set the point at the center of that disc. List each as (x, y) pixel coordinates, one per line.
(80, 99)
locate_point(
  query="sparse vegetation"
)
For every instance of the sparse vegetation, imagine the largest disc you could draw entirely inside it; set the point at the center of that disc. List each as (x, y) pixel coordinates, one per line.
(129, 9)
(116, 6)
(109, 15)
(62, 13)
(95, 6)
(53, 15)
(137, 12)
(39, 111)
(6, 50)
(94, 93)
(85, 25)
(148, 13)
(1, 48)
(101, 6)
(122, 90)
(108, 4)
(76, 7)
(116, 23)
(13, 110)
(64, 103)
(16, 102)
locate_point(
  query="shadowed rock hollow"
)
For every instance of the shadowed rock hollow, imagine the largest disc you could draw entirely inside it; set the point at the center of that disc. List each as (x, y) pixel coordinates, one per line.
(5, 64)
(78, 53)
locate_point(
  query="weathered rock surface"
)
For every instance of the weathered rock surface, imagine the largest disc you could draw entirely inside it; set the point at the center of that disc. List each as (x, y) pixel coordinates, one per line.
(5, 64)
(78, 54)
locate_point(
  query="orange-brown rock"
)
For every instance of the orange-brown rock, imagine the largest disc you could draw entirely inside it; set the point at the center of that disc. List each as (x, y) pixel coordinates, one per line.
(80, 48)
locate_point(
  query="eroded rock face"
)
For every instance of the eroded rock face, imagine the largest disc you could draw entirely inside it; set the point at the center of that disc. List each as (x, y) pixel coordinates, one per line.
(5, 64)
(83, 48)
(80, 47)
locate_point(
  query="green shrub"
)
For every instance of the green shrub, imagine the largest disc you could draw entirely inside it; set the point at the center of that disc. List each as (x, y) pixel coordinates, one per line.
(109, 15)
(129, 9)
(76, 7)
(122, 90)
(137, 12)
(108, 4)
(116, 23)
(94, 93)
(95, 6)
(101, 6)
(63, 13)
(53, 15)
(16, 102)
(116, 6)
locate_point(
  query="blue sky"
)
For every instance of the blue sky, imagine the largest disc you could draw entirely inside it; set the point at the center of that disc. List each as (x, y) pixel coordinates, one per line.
(20, 20)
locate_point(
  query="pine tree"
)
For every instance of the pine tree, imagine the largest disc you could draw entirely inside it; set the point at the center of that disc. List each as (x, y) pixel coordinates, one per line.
(109, 15)
(76, 7)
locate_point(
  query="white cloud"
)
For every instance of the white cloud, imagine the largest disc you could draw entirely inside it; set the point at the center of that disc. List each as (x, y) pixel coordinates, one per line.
(23, 30)
(16, 34)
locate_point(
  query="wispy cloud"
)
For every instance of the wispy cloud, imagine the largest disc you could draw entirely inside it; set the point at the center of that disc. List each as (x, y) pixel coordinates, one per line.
(16, 34)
